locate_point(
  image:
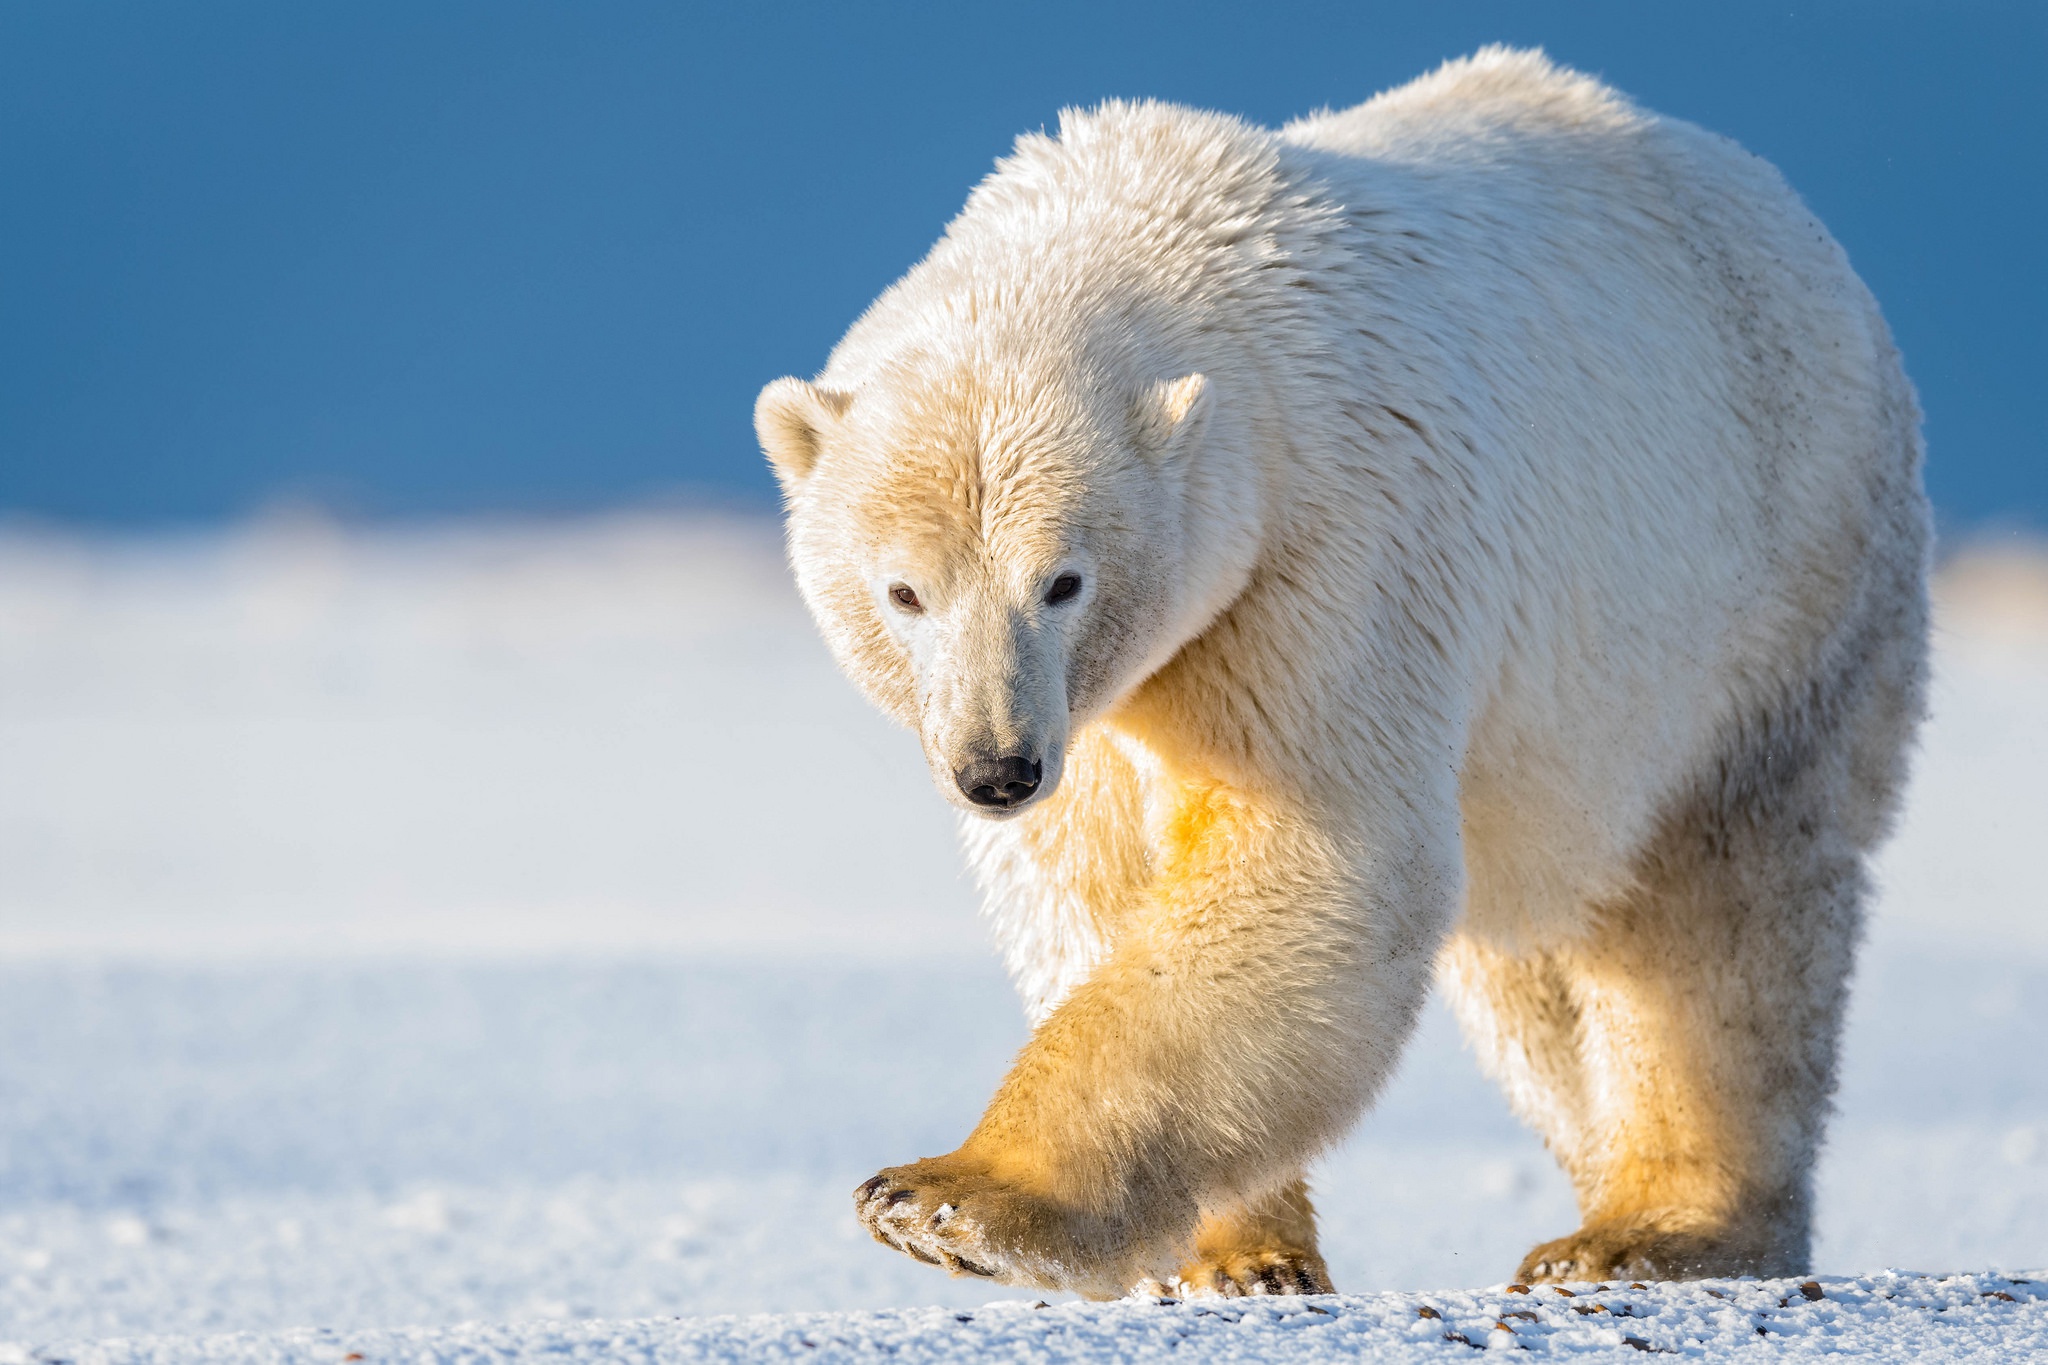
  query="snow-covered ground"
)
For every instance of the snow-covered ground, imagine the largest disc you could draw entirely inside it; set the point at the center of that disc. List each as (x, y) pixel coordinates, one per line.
(1904, 1318)
(408, 927)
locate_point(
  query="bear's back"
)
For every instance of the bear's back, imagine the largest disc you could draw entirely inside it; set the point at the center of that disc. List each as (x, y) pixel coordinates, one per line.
(1683, 411)
(1472, 108)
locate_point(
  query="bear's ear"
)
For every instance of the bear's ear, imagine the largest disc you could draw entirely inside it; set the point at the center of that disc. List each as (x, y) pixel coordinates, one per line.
(790, 416)
(1170, 415)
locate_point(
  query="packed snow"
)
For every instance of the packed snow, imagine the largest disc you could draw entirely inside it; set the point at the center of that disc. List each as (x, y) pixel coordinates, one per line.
(429, 925)
(1919, 1319)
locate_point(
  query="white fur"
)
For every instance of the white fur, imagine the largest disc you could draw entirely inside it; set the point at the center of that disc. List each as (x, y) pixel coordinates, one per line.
(1461, 481)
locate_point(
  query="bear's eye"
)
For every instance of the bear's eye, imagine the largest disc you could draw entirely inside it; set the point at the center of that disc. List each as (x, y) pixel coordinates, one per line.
(906, 598)
(1063, 589)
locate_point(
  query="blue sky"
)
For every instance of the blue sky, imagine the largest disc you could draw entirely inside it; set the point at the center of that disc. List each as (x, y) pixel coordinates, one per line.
(442, 257)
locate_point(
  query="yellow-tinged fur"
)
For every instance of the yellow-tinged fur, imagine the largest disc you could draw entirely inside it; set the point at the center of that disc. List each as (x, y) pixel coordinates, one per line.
(1475, 536)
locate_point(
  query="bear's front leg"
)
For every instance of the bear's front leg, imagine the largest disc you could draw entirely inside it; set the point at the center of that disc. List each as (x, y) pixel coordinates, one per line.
(1239, 1023)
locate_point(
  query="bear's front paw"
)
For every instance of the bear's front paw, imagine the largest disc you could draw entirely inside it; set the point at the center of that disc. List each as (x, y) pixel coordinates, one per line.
(1264, 1270)
(952, 1212)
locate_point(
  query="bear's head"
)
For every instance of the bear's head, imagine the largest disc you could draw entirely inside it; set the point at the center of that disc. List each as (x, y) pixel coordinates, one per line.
(998, 554)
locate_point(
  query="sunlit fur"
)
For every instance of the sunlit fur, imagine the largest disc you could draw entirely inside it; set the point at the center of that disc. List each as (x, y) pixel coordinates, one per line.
(1500, 515)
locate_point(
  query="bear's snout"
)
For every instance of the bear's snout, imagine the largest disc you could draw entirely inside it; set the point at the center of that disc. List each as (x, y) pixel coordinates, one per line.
(1000, 783)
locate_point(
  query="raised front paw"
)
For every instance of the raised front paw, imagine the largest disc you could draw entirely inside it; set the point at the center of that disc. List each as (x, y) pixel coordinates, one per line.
(952, 1212)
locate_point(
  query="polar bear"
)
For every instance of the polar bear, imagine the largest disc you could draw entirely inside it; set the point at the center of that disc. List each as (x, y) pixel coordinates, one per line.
(1476, 536)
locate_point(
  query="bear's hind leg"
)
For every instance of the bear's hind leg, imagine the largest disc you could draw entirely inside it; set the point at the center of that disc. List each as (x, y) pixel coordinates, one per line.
(1708, 1005)
(1521, 1019)
(1263, 1246)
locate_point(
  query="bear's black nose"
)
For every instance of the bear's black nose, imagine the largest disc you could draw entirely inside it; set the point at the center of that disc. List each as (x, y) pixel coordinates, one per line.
(1000, 783)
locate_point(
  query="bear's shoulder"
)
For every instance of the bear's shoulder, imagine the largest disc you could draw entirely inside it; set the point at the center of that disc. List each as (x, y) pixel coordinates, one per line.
(1126, 152)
